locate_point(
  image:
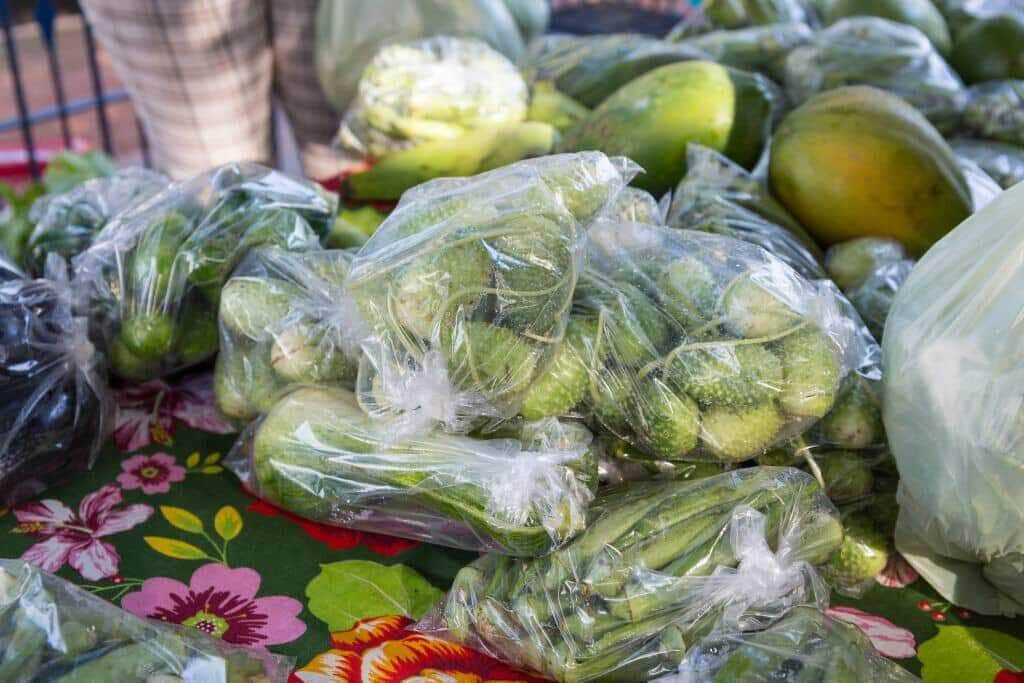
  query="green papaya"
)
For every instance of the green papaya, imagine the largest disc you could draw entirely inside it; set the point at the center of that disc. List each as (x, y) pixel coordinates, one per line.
(990, 49)
(859, 161)
(653, 118)
(474, 152)
(921, 14)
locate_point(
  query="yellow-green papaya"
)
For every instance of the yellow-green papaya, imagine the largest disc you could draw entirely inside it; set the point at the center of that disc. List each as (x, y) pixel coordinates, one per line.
(990, 49)
(653, 118)
(921, 14)
(858, 161)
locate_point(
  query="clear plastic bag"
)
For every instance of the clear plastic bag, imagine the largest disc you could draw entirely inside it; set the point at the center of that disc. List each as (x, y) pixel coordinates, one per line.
(318, 455)
(590, 68)
(55, 409)
(982, 187)
(53, 630)
(660, 565)
(466, 288)
(881, 53)
(738, 14)
(703, 347)
(350, 32)
(805, 645)
(757, 48)
(719, 196)
(995, 111)
(152, 278)
(284, 320)
(433, 89)
(532, 16)
(1002, 161)
(634, 205)
(65, 224)
(954, 413)
(870, 270)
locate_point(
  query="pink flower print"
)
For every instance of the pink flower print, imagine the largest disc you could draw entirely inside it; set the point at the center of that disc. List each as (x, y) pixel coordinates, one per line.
(221, 602)
(151, 473)
(75, 539)
(151, 412)
(897, 573)
(889, 639)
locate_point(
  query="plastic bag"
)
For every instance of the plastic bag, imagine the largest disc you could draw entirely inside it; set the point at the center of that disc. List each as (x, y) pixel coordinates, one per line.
(954, 413)
(532, 16)
(55, 409)
(66, 223)
(54, 630)
(434, 89)
(318, 455)
(981, 185)
(1003, 162)
(719, 196)
(466, 288)
(805, 645)
(702, 347)
(870, 270)
(738, 14)
(881, 53)
(283, 322)
(153, 275)
(350, 32)
(634, 205)
(757, 48)
(590, 68)
(995, 111)
(659, 566)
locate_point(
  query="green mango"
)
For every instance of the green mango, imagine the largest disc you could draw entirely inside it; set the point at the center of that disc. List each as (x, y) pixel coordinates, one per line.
(990, 49)
(653, 118)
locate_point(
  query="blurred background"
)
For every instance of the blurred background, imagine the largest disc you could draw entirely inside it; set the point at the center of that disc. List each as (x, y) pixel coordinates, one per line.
(58, 89)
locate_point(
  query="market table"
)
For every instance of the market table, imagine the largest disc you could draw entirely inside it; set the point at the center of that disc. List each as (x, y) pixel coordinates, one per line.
(162, 529)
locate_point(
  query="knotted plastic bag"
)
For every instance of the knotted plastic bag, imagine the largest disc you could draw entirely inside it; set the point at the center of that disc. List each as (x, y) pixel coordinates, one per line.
(954, 412)
(318, 455)
(659, 566)
(806, 645)
(284, 320)
(466, 288)
(881, 53)
(65, 224)
(434, 89)
(55, 409)
(702, 347)
(54, 630)
(152, 278)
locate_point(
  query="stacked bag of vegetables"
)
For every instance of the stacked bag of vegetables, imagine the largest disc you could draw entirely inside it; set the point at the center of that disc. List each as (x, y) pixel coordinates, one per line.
(153, 275)
(52, 630)
(660, 565)
(56, 410)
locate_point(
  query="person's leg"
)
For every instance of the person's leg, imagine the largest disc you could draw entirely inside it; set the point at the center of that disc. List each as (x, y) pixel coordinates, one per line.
(199, 74)
(293, 26)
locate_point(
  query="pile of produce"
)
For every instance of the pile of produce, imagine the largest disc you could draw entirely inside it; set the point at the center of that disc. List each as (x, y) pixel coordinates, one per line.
(55, 631)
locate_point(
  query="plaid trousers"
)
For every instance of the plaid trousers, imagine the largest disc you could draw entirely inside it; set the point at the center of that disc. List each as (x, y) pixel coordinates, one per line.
(201, 72)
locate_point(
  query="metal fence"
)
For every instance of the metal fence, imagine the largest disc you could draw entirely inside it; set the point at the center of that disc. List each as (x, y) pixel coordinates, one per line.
(27, 119)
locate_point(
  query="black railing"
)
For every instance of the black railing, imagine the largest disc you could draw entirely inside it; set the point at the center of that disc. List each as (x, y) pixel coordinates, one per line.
(44, 16)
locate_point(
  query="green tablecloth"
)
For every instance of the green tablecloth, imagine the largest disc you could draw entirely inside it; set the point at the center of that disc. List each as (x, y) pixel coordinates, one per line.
(160, 528)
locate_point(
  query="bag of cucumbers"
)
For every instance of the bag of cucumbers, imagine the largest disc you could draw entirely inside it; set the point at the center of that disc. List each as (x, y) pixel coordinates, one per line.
(434, 89)
(52, 630)
(719, 196)
(65, 224)
(466, 288)
(693, 346)
(152, 277)
(316, 454)
(881, 53)
(660, 565)
(55, 409)
(806, 645)
(284, 320)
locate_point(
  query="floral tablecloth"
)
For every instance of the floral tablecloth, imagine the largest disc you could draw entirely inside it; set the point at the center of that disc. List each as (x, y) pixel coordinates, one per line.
(160, 528)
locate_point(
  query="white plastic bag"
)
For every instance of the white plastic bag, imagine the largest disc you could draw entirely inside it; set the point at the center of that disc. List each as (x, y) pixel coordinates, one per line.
(954, 410)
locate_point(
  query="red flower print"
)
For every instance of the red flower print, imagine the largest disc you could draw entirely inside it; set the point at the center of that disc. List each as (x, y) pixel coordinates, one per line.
(337, 538)
(897, 573)
(151, 473)
(221, 602)
(1005, 676)
(889, 639)
(383, 650)
(151, 412)
(75, 539)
